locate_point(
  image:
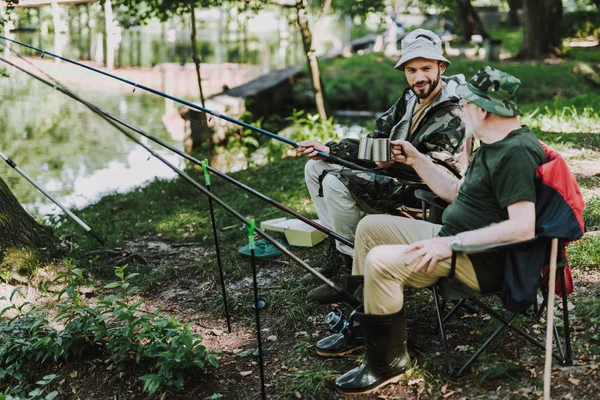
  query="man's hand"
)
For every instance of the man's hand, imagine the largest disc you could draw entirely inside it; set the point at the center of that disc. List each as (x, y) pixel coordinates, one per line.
(384, 164)
(430, 251)
(310, 148)
(404, 152)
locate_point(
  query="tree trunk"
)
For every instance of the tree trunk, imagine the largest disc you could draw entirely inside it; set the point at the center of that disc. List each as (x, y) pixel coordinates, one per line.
(554, 12)
(469, 21)
(538, 43)
(18, 229)
(513, 14)
(198, 136)
(313, 62)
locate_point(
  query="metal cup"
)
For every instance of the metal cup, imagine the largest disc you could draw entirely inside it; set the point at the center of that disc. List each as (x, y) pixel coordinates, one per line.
(381, 150)
(374, 149)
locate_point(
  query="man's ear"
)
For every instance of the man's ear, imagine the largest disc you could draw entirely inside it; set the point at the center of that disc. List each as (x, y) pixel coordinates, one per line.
(483, 114)
(442, 65)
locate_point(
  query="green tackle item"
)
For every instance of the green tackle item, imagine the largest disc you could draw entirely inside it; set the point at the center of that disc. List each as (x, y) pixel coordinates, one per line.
(251, 226)
(206, 174)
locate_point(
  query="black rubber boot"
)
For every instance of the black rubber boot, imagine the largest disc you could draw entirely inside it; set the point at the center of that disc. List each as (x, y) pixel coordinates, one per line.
(386, 356)
(346, 340)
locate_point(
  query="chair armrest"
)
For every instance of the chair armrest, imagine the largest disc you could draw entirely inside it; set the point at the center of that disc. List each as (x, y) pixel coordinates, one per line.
(480, 248)
(430, 198)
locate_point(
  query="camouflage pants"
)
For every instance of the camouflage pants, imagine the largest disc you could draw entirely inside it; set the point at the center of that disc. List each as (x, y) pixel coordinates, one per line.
(343, 196)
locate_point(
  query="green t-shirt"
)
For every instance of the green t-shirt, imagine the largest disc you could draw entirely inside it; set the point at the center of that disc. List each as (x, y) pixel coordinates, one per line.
(500, 174)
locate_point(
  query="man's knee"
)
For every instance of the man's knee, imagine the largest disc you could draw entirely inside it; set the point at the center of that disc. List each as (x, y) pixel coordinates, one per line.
(380, 261)
(313, 169)
(370, 223)
(332, 186)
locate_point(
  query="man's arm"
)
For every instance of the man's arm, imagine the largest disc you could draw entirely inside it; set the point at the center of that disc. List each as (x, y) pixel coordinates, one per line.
(438, 179)
(520, 225)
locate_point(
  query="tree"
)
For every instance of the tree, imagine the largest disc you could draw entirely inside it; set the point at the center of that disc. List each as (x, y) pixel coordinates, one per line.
(513, 12)
(468, 21)
(541, 37)
(311, 56)
(18, 229)
(466, 16)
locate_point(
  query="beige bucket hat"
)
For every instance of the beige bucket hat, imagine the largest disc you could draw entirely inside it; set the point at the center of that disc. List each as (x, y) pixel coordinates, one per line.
(421, 43)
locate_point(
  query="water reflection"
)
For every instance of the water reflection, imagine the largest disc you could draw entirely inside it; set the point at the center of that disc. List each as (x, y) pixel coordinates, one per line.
(71, 151)
(269, 39)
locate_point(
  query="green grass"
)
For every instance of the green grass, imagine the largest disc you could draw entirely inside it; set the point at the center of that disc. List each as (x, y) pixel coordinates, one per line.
(585, 253)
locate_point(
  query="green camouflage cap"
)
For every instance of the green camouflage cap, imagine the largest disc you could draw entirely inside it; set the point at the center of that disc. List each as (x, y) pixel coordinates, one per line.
(493, 90)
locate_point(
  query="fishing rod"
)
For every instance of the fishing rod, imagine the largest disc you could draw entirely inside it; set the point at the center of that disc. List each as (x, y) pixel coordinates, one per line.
(74, 217)
(229, 179)
(329, 157)
(348, 297)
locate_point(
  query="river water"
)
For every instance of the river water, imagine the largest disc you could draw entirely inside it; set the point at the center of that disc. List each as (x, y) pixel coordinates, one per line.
(77, 156)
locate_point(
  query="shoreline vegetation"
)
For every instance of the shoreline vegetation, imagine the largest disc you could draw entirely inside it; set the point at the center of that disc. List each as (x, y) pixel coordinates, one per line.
(106, 340)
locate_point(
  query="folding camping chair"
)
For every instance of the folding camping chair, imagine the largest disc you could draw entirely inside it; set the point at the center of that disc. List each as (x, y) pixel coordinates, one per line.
(558, 216)
(450, 289)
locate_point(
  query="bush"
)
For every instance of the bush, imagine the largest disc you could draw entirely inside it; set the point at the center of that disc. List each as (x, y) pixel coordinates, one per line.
(580, 24)
(115, 326)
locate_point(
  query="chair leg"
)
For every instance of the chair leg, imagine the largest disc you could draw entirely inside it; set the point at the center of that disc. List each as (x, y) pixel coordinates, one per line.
(484, 346)
(440, 319)
(569, 356)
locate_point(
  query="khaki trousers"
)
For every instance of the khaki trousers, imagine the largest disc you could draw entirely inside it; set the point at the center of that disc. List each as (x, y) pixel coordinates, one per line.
(379, 256)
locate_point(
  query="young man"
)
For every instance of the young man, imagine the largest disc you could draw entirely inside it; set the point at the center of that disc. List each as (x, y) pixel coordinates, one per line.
(427, 115)
(494, 203)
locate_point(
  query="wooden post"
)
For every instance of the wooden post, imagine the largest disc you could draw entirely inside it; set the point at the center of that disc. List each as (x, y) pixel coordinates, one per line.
(110, 37)
(56, 23)
(550, 317)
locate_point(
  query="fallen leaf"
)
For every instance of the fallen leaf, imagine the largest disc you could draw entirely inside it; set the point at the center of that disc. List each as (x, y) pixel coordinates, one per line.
(73, 374)
(216, 332)
(444, 389)
(415, 381)
(272, 338)
(245, 373)
(297, 394)
(574, 381)
(449, 394)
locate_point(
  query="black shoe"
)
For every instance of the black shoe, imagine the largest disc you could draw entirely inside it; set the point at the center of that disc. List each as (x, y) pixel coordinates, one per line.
(326, 295)
(386, 357)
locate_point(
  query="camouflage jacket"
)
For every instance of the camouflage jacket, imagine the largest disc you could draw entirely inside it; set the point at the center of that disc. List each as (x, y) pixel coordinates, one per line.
(440, 135)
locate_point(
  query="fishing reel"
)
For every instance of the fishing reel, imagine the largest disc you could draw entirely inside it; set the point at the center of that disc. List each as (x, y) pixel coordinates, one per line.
(337, 323)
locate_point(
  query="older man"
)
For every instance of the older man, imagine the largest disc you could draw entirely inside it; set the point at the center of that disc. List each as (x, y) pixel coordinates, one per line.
(427, 116)
(494, 203)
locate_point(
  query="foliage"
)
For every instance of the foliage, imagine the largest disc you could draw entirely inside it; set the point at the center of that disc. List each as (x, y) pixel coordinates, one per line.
(135, 12)
(581, 24)
(305, 126)
(115, 326)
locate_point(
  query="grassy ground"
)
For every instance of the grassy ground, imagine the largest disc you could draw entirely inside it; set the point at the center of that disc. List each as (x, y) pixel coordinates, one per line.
(163, 232)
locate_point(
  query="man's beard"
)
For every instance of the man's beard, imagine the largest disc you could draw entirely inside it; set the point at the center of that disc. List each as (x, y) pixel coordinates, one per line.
(432, 85)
